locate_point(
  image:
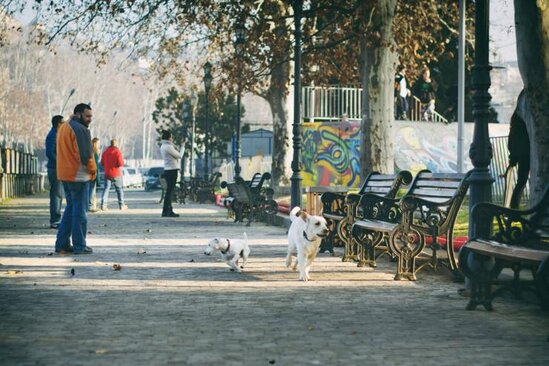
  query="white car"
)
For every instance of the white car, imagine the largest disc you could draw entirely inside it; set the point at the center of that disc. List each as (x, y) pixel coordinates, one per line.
(132, 177)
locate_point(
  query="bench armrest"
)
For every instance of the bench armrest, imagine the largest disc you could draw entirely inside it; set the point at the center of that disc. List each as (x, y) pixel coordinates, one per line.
(333, 203)
(511, 226)
(372, 206)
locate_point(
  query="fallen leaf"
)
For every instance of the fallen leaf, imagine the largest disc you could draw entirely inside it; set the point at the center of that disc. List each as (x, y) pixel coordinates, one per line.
(101, 351)
(192, 260)
(311, 327)
(148, 231)
(141, 251)
(116, 267)
(272, 362)
(14, 272)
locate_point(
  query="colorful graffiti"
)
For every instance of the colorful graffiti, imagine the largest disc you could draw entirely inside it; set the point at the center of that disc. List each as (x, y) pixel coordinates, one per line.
(330, 153)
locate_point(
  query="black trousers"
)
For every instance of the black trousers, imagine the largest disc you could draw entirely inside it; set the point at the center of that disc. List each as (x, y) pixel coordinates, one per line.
(171, 179)
(523, 171)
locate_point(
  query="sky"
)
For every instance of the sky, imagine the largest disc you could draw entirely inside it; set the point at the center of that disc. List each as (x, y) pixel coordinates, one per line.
(502, 30)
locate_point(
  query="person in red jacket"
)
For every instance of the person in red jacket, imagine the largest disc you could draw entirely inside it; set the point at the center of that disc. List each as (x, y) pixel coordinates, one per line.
(112, 162)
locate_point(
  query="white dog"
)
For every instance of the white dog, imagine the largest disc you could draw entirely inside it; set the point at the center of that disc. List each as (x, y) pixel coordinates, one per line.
(304, 237)
(231, 251)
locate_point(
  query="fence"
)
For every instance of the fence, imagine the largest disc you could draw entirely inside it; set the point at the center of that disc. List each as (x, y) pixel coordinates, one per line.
(19, 174)
(504, 179)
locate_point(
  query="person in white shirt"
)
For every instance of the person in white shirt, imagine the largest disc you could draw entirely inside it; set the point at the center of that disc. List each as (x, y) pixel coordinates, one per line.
(171, 167)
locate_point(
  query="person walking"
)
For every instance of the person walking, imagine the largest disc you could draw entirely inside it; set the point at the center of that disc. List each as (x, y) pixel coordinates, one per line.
(92, 193)
(56, 187)
(401, 94)
(425, 89)
(171, 167)
(518, 145)
(75, 168)
(112, 162)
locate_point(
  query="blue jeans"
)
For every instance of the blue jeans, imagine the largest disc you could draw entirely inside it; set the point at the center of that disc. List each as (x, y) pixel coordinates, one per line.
(91, 194)
(117, 183)
(75, 218)
(56, 196)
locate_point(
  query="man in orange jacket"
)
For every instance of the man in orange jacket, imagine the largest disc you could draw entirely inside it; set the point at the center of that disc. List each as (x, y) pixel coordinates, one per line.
(75, 168)
(112, 162)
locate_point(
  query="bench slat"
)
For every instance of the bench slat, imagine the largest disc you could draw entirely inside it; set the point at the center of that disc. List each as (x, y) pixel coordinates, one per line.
(507, 252)
(375, 225)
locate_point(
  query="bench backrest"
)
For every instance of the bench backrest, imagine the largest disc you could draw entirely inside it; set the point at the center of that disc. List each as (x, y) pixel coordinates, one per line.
(240, 191)
(386, 185)
(446, 190)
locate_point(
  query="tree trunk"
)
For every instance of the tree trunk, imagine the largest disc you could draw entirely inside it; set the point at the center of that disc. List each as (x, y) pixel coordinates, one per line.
(532, 27)
(277, 95)
(377, 76)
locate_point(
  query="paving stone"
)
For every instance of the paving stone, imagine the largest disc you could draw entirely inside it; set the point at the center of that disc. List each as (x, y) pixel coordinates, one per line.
(172, 305)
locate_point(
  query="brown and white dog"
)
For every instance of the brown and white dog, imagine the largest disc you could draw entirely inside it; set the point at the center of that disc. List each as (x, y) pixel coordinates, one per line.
(304, 237)
(232, 251)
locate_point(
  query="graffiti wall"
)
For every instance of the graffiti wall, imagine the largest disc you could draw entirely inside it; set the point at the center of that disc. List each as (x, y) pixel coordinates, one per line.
(330, 153)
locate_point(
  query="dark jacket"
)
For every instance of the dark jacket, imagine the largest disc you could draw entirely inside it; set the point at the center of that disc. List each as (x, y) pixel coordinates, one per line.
(50, 149)
(518, 142)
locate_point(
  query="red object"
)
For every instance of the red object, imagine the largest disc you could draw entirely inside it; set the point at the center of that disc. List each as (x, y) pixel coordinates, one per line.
(283, 207)
(459, 241)
(112, 162)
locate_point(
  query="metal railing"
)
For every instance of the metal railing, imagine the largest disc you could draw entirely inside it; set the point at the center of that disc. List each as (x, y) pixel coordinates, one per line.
(19, 174)
(333, 103)
(417, 112)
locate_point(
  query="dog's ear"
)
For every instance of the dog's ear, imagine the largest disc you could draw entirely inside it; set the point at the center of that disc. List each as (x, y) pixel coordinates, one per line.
(303, 214)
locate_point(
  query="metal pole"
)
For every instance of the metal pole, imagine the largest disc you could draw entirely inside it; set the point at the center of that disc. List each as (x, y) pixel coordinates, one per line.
(461, 84)
(480, 151)
(207, 135)
(296, 130)
(67, 100)
(237, 168)
(192, 141)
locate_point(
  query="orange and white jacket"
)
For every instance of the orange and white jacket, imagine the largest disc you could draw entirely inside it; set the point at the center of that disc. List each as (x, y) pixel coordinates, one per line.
(75, 160)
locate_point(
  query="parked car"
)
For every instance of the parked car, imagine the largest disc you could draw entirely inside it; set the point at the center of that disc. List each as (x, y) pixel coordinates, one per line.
(132, 177)
(152, 180)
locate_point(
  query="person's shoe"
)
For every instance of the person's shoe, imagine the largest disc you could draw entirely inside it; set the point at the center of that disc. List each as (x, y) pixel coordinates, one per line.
(86, 250)
(123, 207)
(170, 214)
(55, 225)
(68, 250)
(104, 208)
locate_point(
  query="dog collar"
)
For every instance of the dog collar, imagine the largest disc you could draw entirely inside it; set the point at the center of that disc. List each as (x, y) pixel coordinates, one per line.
(305, 236)
(228, 247)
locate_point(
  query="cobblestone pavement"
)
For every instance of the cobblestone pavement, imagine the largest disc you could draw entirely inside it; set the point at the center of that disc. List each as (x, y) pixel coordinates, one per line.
(172, 305)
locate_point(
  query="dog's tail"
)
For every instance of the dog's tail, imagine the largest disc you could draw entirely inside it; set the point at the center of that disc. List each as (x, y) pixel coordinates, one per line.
(294, 213)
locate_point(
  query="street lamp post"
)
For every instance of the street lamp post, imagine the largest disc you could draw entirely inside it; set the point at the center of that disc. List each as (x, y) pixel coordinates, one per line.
(239, 44)
(67, 100)
(480, 151)
(194, 103)
(207, 86)
(296, 127)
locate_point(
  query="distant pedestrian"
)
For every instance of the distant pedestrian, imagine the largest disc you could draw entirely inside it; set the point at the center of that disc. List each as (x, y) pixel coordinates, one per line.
(75, 168)
(92, 206)
(424, 89)
(112, 162)
(401, 94)
(56, 187)
(519, 154)
(171, 167)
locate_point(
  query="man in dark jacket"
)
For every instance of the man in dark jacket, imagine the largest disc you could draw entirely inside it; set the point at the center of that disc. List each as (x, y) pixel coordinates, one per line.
(112, 162)
(56, 187)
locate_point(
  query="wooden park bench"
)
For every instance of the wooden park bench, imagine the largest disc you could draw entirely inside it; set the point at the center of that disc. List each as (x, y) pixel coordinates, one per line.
(423, 219)
(339, 209)
(520, 241)
(250, 199)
